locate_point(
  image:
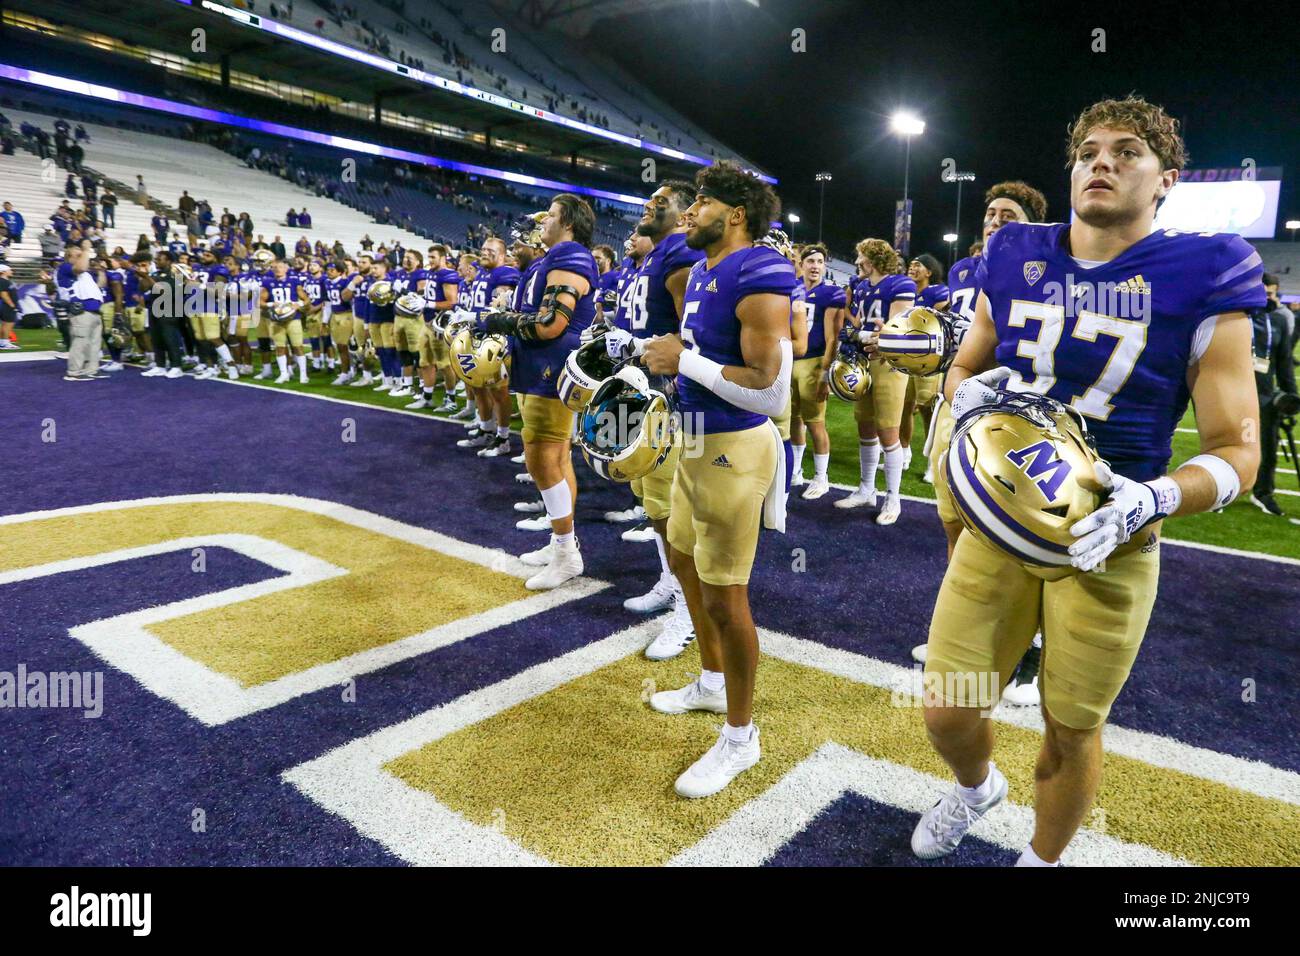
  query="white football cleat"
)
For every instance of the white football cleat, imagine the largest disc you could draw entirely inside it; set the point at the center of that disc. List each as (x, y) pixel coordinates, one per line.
(1022, 691)
(283, 379)
(530, 507)
(644, 533)
(480, 440)
(154, 371)
(942, 827)
(174, 372)
(402, 391)
(635, 513)
(539, 558)
(498, 449)
(658, 598)
(383, 386)
(862, 496)
(723, 762)
(691, 697)
(524, 478)
(920, 652)
(110, 366)
(676, 636)
(420, 402)
(928, 477)
(303, 380)
(342, 379)
(565, 565)
(540, 523)
(365, 379)
(519, 459)
(463, 415)
(797, 480)
(893, 507)
(265, 374)
(446, 408)
(232, 372)
(816, 488)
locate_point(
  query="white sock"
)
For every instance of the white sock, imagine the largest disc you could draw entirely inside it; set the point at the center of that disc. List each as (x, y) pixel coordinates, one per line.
(819, 464)
(868, 460)
(558, 500)
(977, 795)
(893, 469)
(563, 540)
(223, 353)
(473, 408)
(738, 735)
(1030, 858)
(713, 681)
(503, 431)
(283, 362)
(302, 365)
(483, 425)
(406, 380)
(663, 556)
(798, 456)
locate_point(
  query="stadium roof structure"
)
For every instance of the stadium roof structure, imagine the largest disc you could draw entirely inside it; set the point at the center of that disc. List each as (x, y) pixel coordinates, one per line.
(577, 17)
(237, 39)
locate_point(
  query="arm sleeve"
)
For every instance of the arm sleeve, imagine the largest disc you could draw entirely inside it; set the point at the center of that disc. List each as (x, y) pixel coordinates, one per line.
(770, 401)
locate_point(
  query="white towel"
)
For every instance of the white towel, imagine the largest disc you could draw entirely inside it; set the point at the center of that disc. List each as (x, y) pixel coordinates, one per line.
(774, 501)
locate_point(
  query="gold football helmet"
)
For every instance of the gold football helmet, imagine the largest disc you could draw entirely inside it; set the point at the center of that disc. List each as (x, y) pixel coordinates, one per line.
(850, 375)
(284, 311)
(528, 229)
(1021, 472)
(410, 306)
(263, 258)
(381, 293)
(451, 327)
(585, 370)
(478, 358)
(627, 429)
(919, 340)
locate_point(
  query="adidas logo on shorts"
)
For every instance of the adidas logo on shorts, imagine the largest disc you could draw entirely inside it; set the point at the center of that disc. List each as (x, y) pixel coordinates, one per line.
(721, 461)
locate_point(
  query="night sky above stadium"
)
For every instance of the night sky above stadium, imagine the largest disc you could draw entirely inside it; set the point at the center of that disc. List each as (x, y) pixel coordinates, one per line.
(996, 84)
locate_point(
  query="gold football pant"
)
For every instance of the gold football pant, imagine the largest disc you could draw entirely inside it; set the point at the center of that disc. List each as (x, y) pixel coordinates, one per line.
(545, 419)
(883, 402)
(287, 333)
(656, 489)
(805, 377)
(990, 606)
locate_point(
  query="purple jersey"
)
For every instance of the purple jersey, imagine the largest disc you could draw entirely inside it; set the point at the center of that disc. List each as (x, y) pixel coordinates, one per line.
(932, 295)
(521, 301)
(651, 308)
(488, 281)
(334, 292)
(436, 280)
(360, 300)
(404, 282)
(315, 286)
(625, 287)
(281, 290)
(607, 288)
(710, 326)
(872, 301)
(1115, 340)
(819, 299)
(535, 366)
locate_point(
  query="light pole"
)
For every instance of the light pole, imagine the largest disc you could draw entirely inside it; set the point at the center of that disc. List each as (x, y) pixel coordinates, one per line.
(822, 180)
(951, 239)
(906, 125)
(1293, 225)
(959, 178)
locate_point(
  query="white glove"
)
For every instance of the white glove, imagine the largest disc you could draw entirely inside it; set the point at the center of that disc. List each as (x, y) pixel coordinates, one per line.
(620, 344)
(978, 390)
(1132, 506)
(459, 315)
(589, 334)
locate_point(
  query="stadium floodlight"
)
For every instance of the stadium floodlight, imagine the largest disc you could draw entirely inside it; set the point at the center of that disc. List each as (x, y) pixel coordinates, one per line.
(950, 237)
(822, 179)
(793, 217)
(906, 123)
(1293, 225)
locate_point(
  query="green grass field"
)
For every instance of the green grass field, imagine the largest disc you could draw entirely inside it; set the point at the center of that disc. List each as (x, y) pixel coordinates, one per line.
(1241, 525)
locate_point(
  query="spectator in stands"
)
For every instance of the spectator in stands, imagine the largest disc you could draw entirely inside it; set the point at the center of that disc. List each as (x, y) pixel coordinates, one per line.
(70, 187)
(89, 188)
(291, 219)
(177, 247)
(8, 308)
(277, 248)
(304, 218)
(75, 155)
(186, 206)
(302, 247)
(143, 245)
(245, 225)
(51, 244)
(14, 222)
(161, 227)
(141, 194)
(367, 243)
(109, 202)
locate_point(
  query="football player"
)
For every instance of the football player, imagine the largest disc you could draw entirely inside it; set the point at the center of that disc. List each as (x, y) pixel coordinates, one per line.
(262, 260)
(133, 299)
(407, 332)
(111, 279)
(492, 289)
(360, 285)
(211, 277)
(338, 290)
(657, 292)
(1124, 323)
(824, 306)
(380, 326)
(559, 303)
(881, 293)
(277, 289)
(467, 268)
(922, 391)
(732, 362)
(610, 277)
(440, 287)
(315, 321)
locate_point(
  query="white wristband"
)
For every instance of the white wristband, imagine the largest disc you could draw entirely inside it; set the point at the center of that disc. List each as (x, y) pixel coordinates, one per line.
(1169, 495)
(1226, 480)
(700, 369)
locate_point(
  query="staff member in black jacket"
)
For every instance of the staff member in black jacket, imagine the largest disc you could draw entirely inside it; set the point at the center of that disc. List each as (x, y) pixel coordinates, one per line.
(164, 299)
(1274, 376)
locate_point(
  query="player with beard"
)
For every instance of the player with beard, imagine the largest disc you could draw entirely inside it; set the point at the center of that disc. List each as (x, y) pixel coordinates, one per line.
(440, 287)
(315, 320)
(880, 294)
(339, 295)
(922, 391)
(528, 252)
(1130, 379)
(655, 308)
(361, 316)
(824, 306)
(407, 332)
(558, 302)
(732, 362)
(491, 289)
(1005, 202)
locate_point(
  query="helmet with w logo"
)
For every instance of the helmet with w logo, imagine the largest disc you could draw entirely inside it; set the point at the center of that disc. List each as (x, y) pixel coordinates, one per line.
(919, 340)
(850, 374)
(1021, 472)
(478, 358)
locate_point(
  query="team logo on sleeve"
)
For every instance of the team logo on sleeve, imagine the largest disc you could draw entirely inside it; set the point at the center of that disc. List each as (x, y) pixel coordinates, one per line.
(963, 274)
(1034, 270)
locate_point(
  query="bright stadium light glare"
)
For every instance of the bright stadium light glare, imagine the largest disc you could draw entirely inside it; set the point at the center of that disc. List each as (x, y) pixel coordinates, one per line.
(906, 123)
(793, 217)
(950, 237)
(1293, 223)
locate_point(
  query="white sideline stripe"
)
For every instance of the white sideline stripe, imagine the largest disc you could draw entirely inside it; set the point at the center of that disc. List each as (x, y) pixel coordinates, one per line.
(350, 781)
(756, 831)
(1252, 776)
(125, 642)
(413, 824)
(38, 356)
